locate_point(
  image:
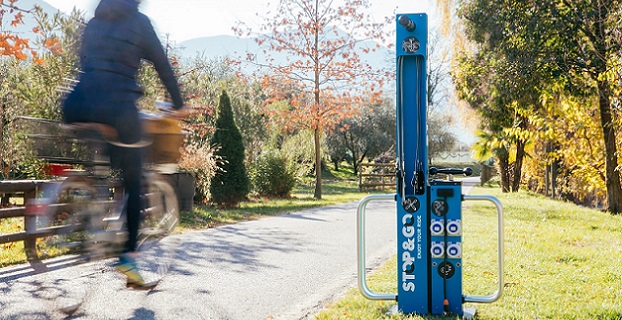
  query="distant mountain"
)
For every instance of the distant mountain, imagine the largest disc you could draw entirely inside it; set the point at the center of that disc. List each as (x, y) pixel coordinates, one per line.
(236, 47)
(220, 46)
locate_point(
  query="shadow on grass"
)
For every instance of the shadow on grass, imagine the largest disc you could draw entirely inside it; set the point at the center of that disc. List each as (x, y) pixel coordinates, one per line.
(209, 216)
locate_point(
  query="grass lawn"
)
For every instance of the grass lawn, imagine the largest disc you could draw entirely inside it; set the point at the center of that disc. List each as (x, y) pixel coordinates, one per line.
(11, 253)
(561, 262)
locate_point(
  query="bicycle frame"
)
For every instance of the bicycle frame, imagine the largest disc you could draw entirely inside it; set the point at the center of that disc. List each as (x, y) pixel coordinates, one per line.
(93, 201)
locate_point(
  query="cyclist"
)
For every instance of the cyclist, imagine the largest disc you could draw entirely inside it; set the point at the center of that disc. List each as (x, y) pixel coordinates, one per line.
(113, 44)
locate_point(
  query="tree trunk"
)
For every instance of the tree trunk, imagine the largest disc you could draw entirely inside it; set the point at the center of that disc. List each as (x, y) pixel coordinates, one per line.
(355, 156)
(554, 167)
(517, 171)
(318, 166)
(2, 155)
(357, 163)
(318, 151)
(504, 170)
(612, 176)
(547, 169)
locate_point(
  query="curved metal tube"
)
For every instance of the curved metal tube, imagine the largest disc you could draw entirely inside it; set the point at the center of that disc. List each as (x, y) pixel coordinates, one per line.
(360, 246)
(497, 294)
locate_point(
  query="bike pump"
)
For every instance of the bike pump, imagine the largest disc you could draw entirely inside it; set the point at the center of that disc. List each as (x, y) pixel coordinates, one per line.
(429, 213)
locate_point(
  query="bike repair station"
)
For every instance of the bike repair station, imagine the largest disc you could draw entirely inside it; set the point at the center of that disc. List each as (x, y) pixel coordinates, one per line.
(429, 213)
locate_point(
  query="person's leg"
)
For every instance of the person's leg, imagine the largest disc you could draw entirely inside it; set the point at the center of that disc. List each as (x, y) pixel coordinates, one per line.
(124, 117)
(129, 160)
(132, 166)
(129, 129)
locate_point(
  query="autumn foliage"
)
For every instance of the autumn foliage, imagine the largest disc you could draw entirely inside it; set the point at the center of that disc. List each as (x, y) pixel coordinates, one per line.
(13, 44)
(324, 79)
(544, 76)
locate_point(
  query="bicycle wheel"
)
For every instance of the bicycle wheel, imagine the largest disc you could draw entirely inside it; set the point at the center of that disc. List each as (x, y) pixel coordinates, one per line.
(67, 219)
(161, 213)
(74, 212)
(159, 217)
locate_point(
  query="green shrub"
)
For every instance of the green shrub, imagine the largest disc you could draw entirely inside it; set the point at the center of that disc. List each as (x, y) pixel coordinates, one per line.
(299, 149)
(230, 185)
(271, 176)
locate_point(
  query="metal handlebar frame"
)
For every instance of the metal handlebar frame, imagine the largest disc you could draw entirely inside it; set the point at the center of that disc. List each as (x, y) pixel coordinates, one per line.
(360, 246)
(361, 257)
(497, 294)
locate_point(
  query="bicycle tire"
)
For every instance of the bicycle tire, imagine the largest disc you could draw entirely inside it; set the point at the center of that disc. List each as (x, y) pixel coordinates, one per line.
(160, 217)
(161, 213)
(68, 218)
(70, 206)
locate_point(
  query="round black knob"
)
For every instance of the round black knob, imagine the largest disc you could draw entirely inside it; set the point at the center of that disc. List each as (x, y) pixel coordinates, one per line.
(407, 23)
(468, 171)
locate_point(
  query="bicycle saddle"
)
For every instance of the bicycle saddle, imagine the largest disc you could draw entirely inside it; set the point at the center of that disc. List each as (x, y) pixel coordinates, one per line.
(108, 133)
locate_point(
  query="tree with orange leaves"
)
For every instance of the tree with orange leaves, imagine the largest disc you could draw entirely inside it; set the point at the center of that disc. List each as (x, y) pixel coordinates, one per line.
(324, 78)
(12, 44)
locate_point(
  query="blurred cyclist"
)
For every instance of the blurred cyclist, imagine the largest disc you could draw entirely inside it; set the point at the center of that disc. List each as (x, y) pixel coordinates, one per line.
(113, 44)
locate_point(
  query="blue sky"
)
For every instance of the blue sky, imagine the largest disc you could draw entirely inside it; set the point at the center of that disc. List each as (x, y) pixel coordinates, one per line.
(187, 19)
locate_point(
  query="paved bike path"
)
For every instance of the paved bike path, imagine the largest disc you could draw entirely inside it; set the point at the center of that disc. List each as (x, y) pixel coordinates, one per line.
(284, 267)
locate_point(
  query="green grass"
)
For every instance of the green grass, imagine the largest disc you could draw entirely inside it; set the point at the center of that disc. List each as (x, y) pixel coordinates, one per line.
(561, 262)
(11, 253)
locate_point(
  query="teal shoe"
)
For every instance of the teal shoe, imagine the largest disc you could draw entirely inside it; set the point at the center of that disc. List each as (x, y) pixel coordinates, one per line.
(127, 266)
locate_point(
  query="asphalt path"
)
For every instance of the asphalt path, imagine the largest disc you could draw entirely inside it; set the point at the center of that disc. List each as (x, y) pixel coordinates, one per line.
(284, 267)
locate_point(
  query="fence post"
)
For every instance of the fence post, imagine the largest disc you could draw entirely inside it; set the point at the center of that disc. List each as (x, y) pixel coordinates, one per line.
(381, 176)
(360, 178)
(30, 226)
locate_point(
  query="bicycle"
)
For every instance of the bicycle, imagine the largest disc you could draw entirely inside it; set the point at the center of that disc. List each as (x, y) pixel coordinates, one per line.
(83, 209)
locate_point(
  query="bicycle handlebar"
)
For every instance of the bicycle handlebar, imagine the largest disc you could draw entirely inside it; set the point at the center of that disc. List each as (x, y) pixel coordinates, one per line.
(466, 171)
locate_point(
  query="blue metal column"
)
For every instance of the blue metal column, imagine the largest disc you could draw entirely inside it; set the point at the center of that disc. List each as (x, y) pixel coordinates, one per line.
(412, 164)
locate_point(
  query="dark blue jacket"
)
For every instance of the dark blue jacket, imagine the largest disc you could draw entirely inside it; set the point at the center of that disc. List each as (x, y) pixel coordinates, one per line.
(113, 45)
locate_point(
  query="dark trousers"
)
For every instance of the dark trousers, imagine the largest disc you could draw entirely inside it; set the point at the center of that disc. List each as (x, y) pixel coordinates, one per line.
(90, 104)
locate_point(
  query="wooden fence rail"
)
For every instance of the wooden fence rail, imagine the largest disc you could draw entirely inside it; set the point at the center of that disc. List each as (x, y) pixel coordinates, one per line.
(182, 183)
(384, 175)
(26, 189)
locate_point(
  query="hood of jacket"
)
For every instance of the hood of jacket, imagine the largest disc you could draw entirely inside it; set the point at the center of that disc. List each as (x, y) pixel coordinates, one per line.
(116, 9)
